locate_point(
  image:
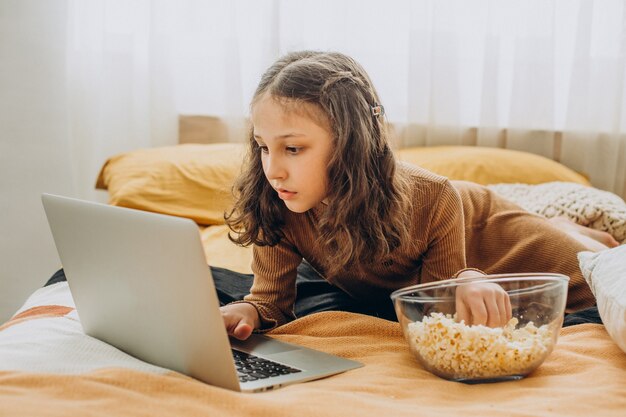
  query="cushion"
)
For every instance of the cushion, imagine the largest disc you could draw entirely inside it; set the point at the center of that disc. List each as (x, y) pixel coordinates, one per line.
(192, 181)
(221, 252)
(46, 336)
(587, 206)
(489, 165)
(605, 273)
(195, 181)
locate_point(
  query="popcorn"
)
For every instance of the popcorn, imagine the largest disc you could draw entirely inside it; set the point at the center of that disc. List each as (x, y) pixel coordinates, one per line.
(470, 352)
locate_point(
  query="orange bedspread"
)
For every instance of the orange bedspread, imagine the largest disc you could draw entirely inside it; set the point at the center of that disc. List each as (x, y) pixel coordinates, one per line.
(585, 375)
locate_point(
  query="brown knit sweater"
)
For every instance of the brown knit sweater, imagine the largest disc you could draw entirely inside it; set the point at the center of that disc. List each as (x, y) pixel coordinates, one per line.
(452, 222)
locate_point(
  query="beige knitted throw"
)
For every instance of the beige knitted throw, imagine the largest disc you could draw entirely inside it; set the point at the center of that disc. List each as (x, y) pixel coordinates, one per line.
(588, 206)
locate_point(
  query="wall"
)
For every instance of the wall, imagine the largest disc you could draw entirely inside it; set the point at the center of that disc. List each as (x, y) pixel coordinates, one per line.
(33, 142)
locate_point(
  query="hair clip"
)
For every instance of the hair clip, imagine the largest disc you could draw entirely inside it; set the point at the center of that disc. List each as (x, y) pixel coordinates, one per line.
(377, 110)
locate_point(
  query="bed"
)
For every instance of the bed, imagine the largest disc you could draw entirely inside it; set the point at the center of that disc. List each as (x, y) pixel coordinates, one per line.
(48, 366)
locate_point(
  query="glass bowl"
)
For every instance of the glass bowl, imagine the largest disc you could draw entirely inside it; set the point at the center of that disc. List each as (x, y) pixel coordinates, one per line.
(477, 353)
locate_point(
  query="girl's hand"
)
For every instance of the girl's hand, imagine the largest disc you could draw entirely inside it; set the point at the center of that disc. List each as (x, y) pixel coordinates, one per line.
(483, 303)
(240, 319)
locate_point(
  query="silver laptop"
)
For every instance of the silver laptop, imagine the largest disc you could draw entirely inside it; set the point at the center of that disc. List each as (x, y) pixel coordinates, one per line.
(140, 282)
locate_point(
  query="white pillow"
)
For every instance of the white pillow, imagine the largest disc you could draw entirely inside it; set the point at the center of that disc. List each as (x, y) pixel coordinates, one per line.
(605, 273)
(45, 335)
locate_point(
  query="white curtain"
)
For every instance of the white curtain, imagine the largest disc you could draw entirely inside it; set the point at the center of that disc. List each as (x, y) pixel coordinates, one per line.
(545, 76)
(119, 86)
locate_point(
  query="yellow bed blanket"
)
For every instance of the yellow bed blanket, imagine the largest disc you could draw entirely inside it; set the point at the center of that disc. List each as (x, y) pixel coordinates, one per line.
(53, 369)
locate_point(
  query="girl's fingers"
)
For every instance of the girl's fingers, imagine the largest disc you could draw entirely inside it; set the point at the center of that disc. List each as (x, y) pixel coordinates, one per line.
(470, 306)
(479, 311)
(462, 310)
(229, 322)
(493, 311)
(507, 307)
(242, 331)
(236, 325)
(487, 304)
(501, 299)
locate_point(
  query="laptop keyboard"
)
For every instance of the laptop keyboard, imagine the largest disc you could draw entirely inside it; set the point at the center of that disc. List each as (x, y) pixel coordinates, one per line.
(252, 368)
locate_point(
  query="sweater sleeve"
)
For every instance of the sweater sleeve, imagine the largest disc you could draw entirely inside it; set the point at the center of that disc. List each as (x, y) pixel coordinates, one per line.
(273, 291)
(445, 255)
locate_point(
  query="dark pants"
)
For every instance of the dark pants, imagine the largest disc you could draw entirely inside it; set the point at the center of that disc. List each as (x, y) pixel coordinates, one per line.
(315, 294)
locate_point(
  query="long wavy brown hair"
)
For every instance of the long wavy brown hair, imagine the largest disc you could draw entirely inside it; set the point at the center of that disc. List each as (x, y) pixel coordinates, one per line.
(368, 206)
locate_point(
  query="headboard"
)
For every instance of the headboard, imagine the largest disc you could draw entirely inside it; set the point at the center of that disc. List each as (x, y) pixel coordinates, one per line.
(215, 129)
(202, 129)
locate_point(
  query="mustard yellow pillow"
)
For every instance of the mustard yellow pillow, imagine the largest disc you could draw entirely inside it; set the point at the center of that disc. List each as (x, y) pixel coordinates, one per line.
(195, 181)
(489, 165)
(221, 252)
(192, 181)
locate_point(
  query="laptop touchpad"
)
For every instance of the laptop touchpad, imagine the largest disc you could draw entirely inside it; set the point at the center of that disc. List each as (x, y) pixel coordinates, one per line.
(262, 345)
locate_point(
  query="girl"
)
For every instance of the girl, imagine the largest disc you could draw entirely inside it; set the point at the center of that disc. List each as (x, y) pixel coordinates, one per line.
(320, 183)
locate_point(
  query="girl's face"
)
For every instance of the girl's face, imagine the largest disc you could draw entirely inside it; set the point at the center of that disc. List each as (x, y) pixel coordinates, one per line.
(295, 150)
